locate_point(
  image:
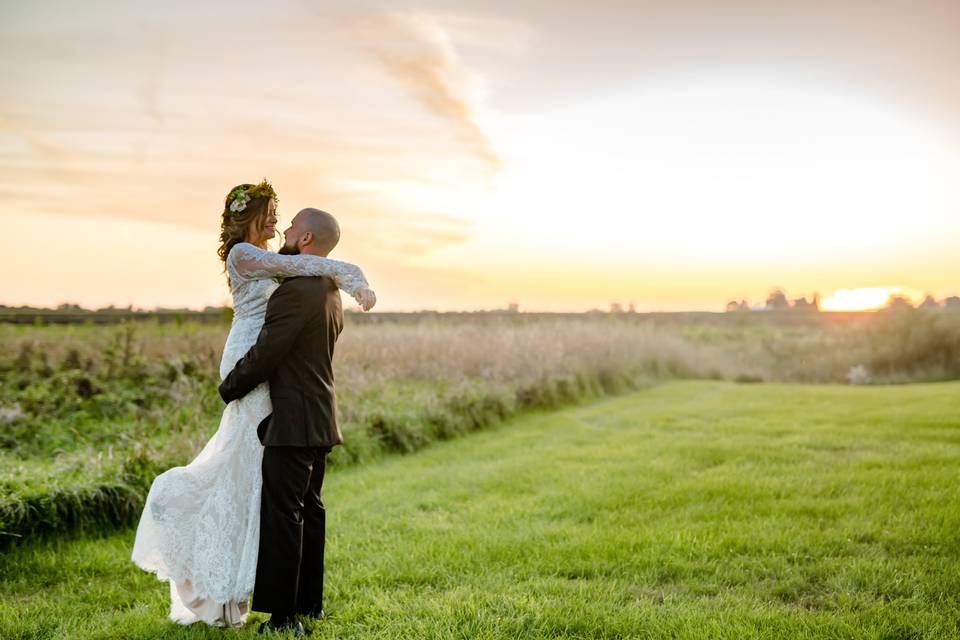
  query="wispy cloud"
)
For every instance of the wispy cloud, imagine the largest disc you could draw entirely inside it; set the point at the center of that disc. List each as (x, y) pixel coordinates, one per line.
(418, 52)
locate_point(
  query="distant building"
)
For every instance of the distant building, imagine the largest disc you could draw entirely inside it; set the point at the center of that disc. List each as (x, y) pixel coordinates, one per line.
(777, 300)
(513, 307)
(733, 305)
(616, 307)
(801, 304)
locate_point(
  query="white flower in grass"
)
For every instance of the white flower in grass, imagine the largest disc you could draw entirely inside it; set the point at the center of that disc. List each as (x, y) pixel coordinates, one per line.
(858, 375)
(11, 415)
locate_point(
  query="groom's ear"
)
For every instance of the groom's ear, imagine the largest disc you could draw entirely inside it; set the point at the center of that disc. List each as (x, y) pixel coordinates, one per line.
(306, 238)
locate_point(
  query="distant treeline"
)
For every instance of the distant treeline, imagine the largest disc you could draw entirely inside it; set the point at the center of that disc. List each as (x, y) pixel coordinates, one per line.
(778, 309)
(778, 301)
(75, 314)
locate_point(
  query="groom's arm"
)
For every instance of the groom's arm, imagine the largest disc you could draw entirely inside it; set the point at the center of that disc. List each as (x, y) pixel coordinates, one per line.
(284, 319)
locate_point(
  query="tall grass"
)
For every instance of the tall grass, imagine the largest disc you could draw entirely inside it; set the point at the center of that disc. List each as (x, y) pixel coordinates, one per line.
(893, 346)
(90, 414)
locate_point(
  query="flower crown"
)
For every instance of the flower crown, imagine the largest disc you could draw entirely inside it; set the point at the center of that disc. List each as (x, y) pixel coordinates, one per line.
(243, 194)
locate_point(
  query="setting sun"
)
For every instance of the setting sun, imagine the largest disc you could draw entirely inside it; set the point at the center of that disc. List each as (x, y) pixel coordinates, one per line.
(864, 299)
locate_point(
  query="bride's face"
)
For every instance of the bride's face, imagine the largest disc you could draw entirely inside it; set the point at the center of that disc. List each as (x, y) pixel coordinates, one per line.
(258, 236)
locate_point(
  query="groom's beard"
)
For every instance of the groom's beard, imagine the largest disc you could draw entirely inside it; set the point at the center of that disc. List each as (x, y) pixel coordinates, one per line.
(289, 251)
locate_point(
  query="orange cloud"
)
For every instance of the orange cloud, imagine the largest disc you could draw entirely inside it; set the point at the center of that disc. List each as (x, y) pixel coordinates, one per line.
(417, 52)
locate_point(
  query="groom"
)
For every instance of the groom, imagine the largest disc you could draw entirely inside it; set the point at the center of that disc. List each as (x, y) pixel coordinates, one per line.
(294, 352)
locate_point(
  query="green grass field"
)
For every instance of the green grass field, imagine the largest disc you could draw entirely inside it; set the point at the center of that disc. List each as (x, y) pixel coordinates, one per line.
(690, 510)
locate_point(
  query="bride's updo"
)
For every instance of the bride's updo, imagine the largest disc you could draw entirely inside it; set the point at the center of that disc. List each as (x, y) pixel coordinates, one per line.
(244, 204)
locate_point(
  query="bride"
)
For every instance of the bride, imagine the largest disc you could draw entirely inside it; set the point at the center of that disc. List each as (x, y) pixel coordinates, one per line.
(200, 527)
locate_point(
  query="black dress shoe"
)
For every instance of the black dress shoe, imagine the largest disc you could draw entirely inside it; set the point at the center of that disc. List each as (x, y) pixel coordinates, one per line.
(269, 627)
(314, 615)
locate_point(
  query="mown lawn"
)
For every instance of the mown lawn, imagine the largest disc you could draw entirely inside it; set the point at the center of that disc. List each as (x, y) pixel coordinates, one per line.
(691, 510)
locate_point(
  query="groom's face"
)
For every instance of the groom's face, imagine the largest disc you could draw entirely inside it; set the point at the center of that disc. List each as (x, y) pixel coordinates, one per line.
(291, 238)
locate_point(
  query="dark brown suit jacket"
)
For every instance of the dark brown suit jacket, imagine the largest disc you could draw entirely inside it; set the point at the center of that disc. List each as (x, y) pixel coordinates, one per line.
(294, 353)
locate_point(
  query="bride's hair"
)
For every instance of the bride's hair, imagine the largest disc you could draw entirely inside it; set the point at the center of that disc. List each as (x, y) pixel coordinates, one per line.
(236, 221)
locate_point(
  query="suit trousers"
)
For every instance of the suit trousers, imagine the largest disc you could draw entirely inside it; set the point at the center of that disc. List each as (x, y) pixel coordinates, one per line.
(292, 529)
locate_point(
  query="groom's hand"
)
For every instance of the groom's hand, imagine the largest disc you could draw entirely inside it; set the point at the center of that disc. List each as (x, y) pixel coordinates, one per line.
(228, 386)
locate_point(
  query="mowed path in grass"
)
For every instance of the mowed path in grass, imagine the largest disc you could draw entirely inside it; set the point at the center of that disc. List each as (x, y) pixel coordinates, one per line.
(690, 510)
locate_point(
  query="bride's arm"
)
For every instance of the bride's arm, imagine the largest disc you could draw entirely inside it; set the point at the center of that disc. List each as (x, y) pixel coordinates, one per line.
(255, 263)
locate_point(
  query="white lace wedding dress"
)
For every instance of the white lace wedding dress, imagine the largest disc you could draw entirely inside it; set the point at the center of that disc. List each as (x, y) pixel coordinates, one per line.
(200, 527)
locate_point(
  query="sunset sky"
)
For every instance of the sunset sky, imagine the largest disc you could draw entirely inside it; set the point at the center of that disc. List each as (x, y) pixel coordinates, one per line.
(561, 155)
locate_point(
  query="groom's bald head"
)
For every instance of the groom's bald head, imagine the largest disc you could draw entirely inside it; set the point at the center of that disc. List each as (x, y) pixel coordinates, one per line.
(323, 230)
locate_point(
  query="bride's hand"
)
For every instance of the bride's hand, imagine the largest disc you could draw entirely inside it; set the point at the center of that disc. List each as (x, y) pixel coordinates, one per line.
(366, 298)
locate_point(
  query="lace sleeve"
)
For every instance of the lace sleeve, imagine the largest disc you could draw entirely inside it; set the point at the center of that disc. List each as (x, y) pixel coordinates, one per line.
(254, 263)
